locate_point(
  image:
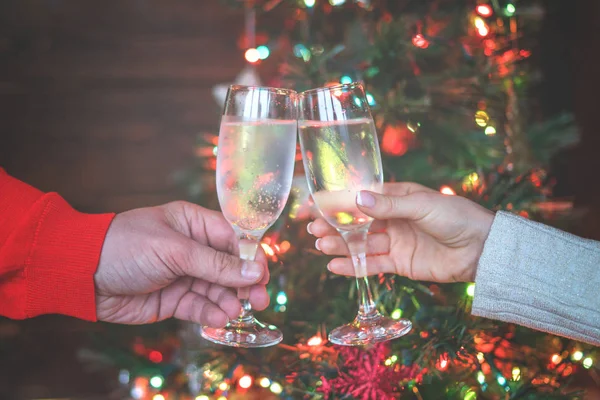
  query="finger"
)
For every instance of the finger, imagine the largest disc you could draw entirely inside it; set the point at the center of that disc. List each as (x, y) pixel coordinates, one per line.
(377, 243)
(223, 297)
(259, 298)
(203, 262)
(320, 228)
(414, 206)
(197, 308)
(261, 258)
(375, 265)
(205, 226)
(404, 188)
(227, 299)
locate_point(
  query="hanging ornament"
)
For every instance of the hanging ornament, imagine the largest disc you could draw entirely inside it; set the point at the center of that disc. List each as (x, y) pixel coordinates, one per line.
(248, 77)
(397, 139)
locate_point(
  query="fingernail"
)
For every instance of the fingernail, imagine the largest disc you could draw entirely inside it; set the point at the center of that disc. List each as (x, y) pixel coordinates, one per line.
(251, 270)
(308, 228)
(329, 267)
(365, 199)
(318, 244)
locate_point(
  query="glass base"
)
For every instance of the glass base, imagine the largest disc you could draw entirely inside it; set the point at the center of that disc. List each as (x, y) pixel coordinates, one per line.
(248, 333)
(375, 329)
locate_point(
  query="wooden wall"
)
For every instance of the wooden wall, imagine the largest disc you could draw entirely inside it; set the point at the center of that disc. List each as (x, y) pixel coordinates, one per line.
(102, 100)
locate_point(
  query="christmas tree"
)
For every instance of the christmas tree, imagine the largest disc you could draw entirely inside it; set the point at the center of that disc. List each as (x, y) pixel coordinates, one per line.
(448, 82)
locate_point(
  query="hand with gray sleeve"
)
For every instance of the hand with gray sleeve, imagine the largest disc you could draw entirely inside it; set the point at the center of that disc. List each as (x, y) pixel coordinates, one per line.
(525, 272)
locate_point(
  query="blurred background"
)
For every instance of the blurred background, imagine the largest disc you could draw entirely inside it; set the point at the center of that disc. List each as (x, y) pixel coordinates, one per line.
(104, 101)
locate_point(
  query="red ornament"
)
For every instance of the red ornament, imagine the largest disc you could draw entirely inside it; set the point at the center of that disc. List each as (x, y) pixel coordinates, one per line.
(397, 140)
(366, 377)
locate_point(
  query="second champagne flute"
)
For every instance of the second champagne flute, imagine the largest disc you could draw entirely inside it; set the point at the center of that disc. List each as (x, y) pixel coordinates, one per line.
(341, 157)
(255, 165)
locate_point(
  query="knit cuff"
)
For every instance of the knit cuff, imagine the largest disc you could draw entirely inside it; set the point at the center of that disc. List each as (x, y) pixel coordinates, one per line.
(63, 259)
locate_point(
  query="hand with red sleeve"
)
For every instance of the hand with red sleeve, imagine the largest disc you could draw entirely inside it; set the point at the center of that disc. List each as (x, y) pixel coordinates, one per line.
(141, 266)
(176, 260)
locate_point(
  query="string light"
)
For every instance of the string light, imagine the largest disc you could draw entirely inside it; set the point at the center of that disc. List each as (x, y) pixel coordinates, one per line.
(490, 130)
(158, 397)
(263, 52)
(202, 397)
(470, 395)
(419, 41)
(556, 359)
(516, 373)
(471, 289)
(276, 388)
(480, 377)
(309, 3)
(482, 118)
(157, 381)
(510, 10)
(302, 52)
(336, 2)
(155, 356)
(222, 398)
(285, 246)
(268, 249)
(345, 80)
(588, 362)
(124, 377)
(501, 380)
(481, 26)
(223, 386)
(480, 357)
(245, 381)
(281, 298)
(577, 355)
(484, 10)
(264, 382)
(315, 341)
(397, 313)
(370, 99)
(447, 190)
(137, 392)
(252, 55)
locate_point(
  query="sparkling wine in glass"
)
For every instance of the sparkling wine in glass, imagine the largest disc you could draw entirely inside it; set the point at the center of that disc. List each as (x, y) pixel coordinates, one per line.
(341, 157)
(255, 165)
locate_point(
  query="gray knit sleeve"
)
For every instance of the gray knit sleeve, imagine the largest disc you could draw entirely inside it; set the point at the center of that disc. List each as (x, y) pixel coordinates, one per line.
(540, 277)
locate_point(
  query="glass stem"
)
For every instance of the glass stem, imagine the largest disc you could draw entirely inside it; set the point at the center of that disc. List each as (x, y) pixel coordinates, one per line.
(248, 247)
(357, 245)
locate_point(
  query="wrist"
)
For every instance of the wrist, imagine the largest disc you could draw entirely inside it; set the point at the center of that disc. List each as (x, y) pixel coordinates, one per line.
(485, 219)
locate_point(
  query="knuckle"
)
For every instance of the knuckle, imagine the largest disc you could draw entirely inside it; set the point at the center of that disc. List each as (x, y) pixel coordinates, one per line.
(222, 263)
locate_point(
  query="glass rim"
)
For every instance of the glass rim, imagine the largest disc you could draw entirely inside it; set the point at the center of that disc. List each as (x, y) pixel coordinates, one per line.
(262, 88)
(340, 86)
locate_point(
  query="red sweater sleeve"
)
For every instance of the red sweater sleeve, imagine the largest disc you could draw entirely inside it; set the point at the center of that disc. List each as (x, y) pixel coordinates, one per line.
(48, 253)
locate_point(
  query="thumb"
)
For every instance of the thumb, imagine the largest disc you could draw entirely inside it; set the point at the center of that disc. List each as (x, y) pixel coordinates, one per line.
(413, 206)
(214, 266)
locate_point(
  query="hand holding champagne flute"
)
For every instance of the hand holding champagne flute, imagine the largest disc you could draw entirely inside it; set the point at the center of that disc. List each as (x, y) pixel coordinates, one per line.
(341, 157)
(255, 164)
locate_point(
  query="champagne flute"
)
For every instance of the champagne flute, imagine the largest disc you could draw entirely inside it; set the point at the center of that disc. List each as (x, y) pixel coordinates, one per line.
(341, 157)
(255, 165)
